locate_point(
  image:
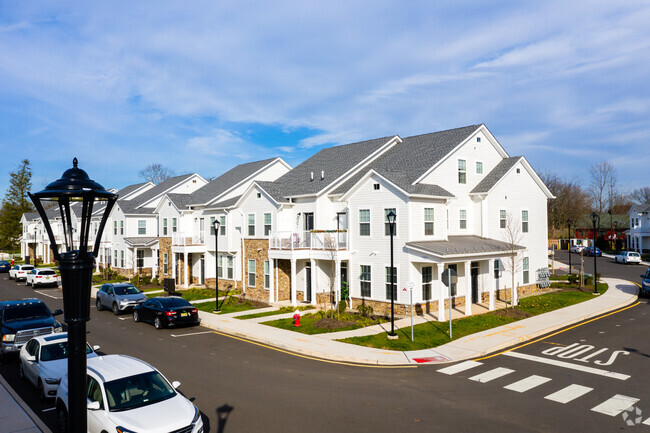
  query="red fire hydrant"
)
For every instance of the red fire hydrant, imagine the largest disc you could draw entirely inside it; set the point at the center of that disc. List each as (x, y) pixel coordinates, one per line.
(296, 318)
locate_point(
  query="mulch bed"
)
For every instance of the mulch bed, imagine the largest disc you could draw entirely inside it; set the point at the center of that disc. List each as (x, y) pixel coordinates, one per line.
(329, 323)
(514, 313)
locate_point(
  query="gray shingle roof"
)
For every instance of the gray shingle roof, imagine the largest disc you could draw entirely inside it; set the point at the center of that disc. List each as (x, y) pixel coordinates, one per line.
(130, 189)
(160, 188)
(143, 241)
(227, 180)
(495, 175)
(181, 201)
(463, 245)
(226, 203)
(405, 162)
(274, 190)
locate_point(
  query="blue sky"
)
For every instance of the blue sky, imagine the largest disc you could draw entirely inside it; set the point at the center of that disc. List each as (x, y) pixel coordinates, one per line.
(203, 85)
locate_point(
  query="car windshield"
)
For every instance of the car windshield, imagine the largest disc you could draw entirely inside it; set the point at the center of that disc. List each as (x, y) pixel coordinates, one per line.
(126, 290)
(137, 391)
(32, 311)
(52, 352)
(174, 302)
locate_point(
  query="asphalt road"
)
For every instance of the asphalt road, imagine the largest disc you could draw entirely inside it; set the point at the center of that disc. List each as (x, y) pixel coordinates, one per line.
(244, 387)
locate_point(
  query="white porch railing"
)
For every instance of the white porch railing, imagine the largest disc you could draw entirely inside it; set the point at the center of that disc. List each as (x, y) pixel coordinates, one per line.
(185, 239)
(309, 240)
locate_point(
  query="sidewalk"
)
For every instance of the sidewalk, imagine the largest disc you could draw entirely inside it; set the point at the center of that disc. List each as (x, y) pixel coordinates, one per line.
(620, 294)
(15, 415)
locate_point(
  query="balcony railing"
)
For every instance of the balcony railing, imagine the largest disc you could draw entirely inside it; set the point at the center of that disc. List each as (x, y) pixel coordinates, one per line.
(186, 239)
(309, 240)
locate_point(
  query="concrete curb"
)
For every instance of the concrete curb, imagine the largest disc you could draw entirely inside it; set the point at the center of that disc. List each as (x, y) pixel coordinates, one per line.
(28, 411)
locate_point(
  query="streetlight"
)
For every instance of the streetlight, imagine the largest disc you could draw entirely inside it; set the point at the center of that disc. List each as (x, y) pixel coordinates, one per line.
(615, 235)
(35, 245)
(76, 266)
(569, 247)
(391, 223)
(594, 220)
(216, 224)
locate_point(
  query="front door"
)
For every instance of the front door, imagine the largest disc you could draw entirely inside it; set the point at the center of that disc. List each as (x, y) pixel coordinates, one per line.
(345, 294)
(342, 224)
(475, 267)
(202, 278)
(309, 221)
(308, 281)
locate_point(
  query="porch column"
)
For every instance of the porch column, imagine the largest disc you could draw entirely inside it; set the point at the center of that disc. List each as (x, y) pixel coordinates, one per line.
(491, 283)
(468, 289)
(337, 278)
(314, 281)
(174, 266)
(441, 292)
(154, 267)
(293, 283)
(135, 260)
(186, 270)
(271, 281)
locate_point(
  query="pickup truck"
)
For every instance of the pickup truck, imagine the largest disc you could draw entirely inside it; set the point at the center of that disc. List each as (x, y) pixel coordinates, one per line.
(22, 320)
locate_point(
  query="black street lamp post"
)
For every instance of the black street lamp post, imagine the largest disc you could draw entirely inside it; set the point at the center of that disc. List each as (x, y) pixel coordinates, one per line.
(615, 236)
(391, 223)
(35, 245)
(76, 265)
(216, 226)
(569, 246)
(594, 220)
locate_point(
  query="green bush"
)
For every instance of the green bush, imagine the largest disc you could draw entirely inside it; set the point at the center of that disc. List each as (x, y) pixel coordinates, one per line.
(573, 278)
(343, 306)
(365, 310)
(136, 280)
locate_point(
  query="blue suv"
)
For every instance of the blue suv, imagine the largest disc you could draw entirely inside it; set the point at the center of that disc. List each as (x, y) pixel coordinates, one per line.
(645, 284)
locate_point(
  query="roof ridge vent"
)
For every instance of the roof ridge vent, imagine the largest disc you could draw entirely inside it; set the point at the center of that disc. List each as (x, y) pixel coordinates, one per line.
(312, 175)
(322, 174)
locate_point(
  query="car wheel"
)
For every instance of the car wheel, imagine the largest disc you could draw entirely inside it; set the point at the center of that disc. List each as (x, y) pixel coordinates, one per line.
(41, 390)
(136, 316)
(99, 305)
(157, 323)
(116, 309)
(61, 419)
(21, 371)
(26, 283)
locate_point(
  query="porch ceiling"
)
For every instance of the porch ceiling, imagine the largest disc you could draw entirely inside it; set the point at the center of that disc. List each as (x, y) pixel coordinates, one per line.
(459, 246)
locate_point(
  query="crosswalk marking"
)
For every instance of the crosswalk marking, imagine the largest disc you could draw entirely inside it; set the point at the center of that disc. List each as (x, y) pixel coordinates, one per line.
(527, 383)
(460, 367)
(569, 393)
(615, 405)
(557, 363)
(491, 375)
(646, 422)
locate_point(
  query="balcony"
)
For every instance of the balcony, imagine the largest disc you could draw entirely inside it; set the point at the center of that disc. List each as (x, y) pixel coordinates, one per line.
(188, 239)
(320, 240)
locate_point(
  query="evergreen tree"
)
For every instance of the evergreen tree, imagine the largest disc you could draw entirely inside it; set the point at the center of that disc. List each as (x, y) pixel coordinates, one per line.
(14, 205)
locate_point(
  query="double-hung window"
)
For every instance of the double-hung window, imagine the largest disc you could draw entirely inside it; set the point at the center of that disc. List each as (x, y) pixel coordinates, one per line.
(267, 224)
(165, 263)
(121, 227)
(427, 277)
(251, 273)
(365, 278)
(142, 227)
(115, 227)
(174, 225)
(122, 259)
(222, 227)
(251, 224)
(428, 221)
(164, 228)
(462, 171)
(391, 283)
(387, 224)
(364, 222)
(502, 219)
(524, 221)
(479, 167)
(525, 266)
(140, 259)
(230, 267)
(462, 218)
(267, 275)
(115, 257)
(220, 266)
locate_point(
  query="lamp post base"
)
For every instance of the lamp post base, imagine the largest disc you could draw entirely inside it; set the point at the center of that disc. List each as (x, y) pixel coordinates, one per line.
(392, 336)
(216, 311)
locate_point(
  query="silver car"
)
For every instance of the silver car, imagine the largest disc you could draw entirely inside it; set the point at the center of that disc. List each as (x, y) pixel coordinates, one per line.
(118, 297)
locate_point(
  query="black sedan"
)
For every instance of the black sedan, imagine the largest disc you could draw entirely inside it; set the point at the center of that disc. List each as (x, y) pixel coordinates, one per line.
(166, 311)
(4, 266)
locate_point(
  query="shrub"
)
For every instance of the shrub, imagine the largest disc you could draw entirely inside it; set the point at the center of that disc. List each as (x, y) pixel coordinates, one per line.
(365, 310)
(343, 306)
(573, 278)
(136, 280)
(155, 282)
(146, 281)
(319, 315)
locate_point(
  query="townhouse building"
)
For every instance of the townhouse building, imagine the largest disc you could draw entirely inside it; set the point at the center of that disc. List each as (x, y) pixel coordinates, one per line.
(638, 236)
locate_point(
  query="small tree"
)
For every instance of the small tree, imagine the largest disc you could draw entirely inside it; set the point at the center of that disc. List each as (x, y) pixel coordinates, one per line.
(14, 205)
(156, 173)
(512, 236)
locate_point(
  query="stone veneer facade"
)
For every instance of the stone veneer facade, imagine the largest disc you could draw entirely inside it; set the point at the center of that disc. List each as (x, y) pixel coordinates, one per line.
(258, 250)
(165, 247)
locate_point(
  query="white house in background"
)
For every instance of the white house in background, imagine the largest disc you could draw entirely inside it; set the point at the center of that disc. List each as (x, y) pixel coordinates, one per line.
(638, 236)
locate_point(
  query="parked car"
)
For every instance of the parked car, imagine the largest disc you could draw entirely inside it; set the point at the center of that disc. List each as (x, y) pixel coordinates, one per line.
(19, 272)
(165, 312)
(118, 297)
(44, 361)
(589, 251)
(126, 394)
(577, 248)
(5, 266)
(628, 257)
(23, 319)
(41, 277)
(645, 284)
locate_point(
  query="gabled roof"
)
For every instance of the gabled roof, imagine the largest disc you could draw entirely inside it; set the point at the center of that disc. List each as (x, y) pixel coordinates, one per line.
(226, 203)
(407, 161)
(160, 189)
(463, 246)
(229, 179)
(639, 208)
(494, 176)
(433, 191)
(181, 201)
(273, 189)
(130, 189)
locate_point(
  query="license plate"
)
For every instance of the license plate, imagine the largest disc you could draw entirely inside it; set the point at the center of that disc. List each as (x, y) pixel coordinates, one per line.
(185, 314)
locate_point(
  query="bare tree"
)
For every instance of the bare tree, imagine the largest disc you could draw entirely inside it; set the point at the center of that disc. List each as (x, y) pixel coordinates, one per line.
(603, 186)
(512, 236)
(156, 173)
(641, 195)
(571, 202)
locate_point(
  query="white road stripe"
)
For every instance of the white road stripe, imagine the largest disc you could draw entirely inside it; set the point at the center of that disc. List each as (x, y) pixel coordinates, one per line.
(615, 405)
(192, 333)
(564, 364)
(460, 367)
(569, 393)
(646, 422)
(491, 375)
(527, 383)
(50, 296)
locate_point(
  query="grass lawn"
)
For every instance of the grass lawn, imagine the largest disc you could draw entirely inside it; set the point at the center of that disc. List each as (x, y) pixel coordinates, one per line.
(282, 310)
(307, 323)
(433, 334)
(230, 305)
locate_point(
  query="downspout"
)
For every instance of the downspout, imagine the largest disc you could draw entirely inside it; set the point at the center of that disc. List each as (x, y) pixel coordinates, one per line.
(243, 254)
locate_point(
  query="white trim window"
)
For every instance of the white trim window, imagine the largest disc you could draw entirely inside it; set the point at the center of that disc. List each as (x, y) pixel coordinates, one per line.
(251, 273)
(364, 222)
(140, 259)
(114, 257)
(524, 221)
(427, 277)
(502, 219)
(428, 221)
(212, 219)
(122, 259)
(222, 227)
(115, 227)
(462, 219)
(525, 267)
(165, 263)
(164, 227)
(365, 279)
(267, 274)
(251, 224)
(219, 266)
(142, 227)
(462, 171)
(479, 167)
(122, 227)
(174, 225)
(387, 224)
(230, 270)
(267, 224)
(388, 283)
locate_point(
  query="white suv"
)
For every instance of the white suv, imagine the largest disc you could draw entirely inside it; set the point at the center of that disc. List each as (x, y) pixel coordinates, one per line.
(41, 277)
(19, 272)
(126, 394)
